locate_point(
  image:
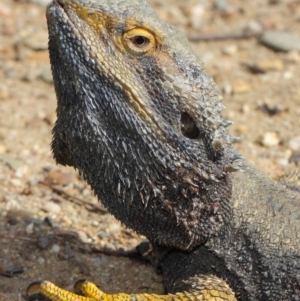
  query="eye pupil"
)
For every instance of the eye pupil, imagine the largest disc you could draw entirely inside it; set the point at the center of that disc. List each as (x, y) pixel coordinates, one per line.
(140, 41)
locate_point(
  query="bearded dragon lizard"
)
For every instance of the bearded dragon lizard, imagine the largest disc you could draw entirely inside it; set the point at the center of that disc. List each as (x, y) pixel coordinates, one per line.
(141, 120)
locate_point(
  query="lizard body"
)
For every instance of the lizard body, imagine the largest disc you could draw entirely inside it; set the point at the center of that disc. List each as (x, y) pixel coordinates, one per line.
(141, 121)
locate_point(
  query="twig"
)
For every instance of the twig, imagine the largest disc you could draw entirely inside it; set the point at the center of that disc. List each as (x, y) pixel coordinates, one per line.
(122, 253)
(95, 207)
(221, 37)
(4, 236)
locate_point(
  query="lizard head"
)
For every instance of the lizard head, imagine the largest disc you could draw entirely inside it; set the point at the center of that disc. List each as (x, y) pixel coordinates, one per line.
(140, 119)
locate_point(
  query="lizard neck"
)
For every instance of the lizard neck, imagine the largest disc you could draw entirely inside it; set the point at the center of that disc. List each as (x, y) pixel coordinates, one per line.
(265, 207)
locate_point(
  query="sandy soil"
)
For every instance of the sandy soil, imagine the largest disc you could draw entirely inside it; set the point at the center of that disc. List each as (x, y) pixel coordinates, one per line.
(46, 229)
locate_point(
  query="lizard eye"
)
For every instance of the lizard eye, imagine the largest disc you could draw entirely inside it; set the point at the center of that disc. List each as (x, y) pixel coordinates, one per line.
(188, 126)
(138, 41)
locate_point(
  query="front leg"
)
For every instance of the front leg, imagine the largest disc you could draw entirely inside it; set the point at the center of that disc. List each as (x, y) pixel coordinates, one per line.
(207, 288)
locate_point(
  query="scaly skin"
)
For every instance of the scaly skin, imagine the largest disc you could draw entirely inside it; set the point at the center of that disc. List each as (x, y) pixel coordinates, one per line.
(141, 121)
(212, 289)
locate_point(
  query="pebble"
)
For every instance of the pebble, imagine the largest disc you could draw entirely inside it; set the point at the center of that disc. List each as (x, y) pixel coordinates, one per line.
(46, 75)
(293, 56)
(283, 161)
(227, 89)
(103, 234)
(225, 8)
(36, 221)
(43, 242)
(55, 249)
(59, 177)
(29, 228)
(288, 75)
(269, 139)
(95, 223)
(242, 129)
(195, 15)
(83, 237)
(16, 182)
(271, 65)
(230, 49)
(254, 27)
(241, 87)
(86, 192)
(295, 158)
(114, 228)
(280, 41)
(294, 144)
(41, 260)
(2, 148)
(245, 108)
(51, 207)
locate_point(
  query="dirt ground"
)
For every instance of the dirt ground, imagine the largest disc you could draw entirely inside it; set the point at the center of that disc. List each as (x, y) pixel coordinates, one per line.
(51, 225)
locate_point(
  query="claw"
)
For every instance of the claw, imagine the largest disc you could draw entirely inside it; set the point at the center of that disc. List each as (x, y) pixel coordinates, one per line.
(54, 293)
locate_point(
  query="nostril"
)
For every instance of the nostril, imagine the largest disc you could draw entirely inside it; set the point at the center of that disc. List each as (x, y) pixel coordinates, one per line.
(188, 126)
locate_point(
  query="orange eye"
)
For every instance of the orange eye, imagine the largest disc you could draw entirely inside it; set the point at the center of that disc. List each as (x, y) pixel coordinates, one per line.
(139, 41)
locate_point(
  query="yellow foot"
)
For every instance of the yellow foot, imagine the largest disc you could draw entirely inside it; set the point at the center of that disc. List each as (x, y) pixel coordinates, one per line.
(87, 291)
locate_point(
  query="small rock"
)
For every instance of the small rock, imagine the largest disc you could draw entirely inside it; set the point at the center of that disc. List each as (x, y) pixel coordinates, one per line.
(51, 207)
(59, 177)
(16, 182)
(245, 108)
(55, 249)
(270, 65)
(195, 15)
(86, 192)
(269, 139)
(36, 221)
(13, 270)
(272, 109)
(103, 234)
(254, 27)
(46, 75)
(43, 242)
(225, 8)
(280, 41)
(295, 158)
(230, 49)
(240, 87)
(294, 144)
(14, 216)
(283, 161)
(242, 129)
(2, 148)
(114, 228)
(95, 223)
(227, 89)
(83, 237)
(29, 228)
(293, 56)
(40, 260)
